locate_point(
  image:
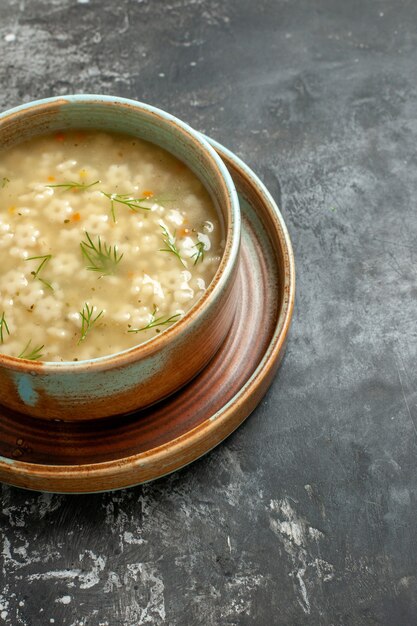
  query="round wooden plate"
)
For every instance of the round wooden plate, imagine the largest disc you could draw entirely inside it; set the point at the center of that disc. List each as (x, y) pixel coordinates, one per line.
(101, 455)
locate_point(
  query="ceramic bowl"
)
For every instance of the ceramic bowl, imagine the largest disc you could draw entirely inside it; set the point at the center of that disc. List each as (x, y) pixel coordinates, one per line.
(140, 376)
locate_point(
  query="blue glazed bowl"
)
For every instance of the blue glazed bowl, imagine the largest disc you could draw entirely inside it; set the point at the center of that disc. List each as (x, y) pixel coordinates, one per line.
(140, 376)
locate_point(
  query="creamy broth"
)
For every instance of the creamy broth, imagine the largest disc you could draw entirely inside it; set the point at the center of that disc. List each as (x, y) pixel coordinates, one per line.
(105, 242)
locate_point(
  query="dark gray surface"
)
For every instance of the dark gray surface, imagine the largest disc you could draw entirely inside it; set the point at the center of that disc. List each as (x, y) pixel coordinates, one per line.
(306, 515)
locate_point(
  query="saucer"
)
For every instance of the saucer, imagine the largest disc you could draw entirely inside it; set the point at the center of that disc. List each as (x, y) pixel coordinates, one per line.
(122, 451)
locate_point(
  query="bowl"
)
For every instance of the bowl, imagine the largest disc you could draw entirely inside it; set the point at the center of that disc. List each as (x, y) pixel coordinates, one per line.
(137, 377)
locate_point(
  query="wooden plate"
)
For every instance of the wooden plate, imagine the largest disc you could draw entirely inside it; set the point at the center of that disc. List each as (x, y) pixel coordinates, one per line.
(108, 454)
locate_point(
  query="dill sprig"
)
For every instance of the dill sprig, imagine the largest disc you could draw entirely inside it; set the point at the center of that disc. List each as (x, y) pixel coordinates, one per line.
(156, 321)
(45, 259)
(124, 198)
(163, 198)
(3, 327)
(32, 355)
(73, 185)
(87, 320)
(102, 257)
(199, 253)
(4, 181)
(171, 246)
(45, 282)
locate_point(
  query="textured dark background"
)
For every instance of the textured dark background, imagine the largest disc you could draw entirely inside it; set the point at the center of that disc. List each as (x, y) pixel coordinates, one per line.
(307, 514)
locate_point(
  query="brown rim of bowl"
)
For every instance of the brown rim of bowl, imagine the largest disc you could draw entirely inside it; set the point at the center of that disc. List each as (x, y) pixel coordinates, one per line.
(230, 253)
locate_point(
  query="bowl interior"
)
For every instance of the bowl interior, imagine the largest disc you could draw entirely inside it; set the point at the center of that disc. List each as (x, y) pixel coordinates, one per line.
(153, 125)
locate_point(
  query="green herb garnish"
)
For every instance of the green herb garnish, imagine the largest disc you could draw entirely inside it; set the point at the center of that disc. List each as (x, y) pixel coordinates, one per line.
(199, 254)
(124, 198)
(73, 185)
(171, 246)
(3, 327)
(4, 181)
(102, 258)
(45, 282)
(157, 321)
(87, 320)
(163, 198)
(33, 355)
(45, 258)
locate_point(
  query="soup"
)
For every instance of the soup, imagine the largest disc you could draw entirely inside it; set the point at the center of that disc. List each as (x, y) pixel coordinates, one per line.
(105, 241)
